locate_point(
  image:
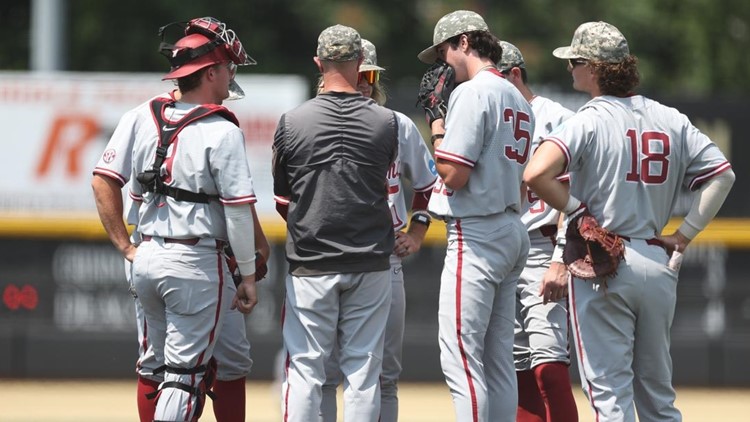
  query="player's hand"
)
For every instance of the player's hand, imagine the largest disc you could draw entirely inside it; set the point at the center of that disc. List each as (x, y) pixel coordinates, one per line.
(129, 252)
(247, 296)
(406, 244)
(555, 283)
(674, 241)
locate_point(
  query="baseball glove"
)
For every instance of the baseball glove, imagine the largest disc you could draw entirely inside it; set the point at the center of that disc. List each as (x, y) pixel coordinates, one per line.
(436, 86)
(590, 250)
(261, 269)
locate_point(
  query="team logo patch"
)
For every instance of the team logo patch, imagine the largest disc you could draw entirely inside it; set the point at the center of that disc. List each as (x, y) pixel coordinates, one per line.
(109, 156)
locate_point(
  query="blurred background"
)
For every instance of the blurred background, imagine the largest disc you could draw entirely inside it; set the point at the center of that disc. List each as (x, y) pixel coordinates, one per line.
(70, 68)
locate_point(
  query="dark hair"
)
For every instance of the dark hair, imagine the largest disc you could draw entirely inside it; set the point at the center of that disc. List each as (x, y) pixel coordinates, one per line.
(524, 75)
(486, 44)
(191, 81)
(617, 79)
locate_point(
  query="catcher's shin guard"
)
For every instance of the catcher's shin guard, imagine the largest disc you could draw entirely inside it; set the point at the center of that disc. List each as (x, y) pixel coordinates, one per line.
(200, 392)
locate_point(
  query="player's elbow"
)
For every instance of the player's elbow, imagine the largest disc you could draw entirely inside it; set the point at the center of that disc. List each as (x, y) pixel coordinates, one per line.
(533, 177)
(454, 176)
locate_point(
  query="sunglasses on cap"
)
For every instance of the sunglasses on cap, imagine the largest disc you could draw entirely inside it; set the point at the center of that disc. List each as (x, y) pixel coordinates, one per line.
(371, 76)
(576, 62)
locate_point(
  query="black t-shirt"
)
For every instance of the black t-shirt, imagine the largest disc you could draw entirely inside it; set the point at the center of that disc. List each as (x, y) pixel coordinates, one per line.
(331, 156)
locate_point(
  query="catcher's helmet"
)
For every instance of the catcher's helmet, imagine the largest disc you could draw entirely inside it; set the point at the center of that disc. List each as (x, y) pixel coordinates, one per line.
(192, 53)
(207, 41)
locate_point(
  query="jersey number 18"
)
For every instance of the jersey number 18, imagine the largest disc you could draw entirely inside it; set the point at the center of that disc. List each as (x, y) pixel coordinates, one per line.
(652, 149)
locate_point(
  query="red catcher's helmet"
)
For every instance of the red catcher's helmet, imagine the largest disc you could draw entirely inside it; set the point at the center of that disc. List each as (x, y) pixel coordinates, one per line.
(194, 52)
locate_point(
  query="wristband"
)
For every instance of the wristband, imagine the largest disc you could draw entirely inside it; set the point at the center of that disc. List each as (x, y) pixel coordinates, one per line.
(557, 253)
(572, 205)
(421, 219)
(435, 137)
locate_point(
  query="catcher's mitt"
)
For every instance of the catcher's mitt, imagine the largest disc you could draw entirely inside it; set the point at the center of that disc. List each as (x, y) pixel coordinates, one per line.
(590, 250)
(436, 86)
(261, 269)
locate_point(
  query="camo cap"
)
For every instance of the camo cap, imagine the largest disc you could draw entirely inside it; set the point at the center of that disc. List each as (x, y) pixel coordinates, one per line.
(339, 43)
(450, 25)
(371, 57)
(511, 57)
(598, 41)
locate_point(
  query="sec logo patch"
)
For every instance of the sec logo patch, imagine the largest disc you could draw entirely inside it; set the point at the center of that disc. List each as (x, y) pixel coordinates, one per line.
(109, 156)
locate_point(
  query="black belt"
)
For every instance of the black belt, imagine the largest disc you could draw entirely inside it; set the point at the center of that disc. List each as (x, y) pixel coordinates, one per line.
(190, 241)
(653, 241)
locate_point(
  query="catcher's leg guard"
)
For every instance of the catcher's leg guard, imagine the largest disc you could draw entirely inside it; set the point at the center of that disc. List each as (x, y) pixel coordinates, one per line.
(200, 392)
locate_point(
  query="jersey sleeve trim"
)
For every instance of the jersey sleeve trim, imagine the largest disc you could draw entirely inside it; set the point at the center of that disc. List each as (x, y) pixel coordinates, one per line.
(111, 174)
(283, 200)
(564, 149)
(135, 197)
(563, 177)
(248, 199)
(427, 187)
(447, 156)
(703, 177)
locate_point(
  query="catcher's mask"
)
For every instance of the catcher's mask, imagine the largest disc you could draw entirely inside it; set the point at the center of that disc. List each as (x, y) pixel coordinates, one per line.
(207, 41)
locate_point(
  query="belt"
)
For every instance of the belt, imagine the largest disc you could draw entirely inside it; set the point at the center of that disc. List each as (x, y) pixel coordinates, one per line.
(190, 241)
(653, 241)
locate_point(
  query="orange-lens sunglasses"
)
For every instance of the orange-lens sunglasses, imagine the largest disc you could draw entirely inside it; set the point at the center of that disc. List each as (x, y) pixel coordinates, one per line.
(371, 76)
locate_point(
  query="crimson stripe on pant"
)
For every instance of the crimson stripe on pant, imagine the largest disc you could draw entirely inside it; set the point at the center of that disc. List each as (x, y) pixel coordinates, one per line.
(459, 266)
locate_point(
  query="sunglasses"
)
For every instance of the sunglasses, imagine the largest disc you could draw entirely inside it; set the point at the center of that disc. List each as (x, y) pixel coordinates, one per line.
(576, 62)
(371, 76)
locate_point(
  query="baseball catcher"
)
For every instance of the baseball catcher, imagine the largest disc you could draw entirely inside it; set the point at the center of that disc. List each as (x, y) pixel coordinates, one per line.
(590, 250)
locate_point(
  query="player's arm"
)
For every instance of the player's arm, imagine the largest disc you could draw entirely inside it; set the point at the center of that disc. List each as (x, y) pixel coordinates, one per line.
(261, 243)
(709, 199)
(454, 175)
(241, 233)
(541, 173)
(108, 197)
(555, 281)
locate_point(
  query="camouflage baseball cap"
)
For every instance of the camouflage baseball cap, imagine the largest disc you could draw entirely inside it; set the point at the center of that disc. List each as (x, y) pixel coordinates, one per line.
(511, 57)
(450, 25)
(371, 57)
(598, 41)
(339, 43)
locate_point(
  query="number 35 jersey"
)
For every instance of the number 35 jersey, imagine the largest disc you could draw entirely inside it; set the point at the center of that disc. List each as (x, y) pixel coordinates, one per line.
(628, 158)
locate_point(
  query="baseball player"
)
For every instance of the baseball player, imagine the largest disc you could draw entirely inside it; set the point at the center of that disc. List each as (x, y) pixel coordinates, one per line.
(481, 149)
(540, 350)
(232, 355)
(331, 157)
(414, 159)
(628, 156)
(194, 305)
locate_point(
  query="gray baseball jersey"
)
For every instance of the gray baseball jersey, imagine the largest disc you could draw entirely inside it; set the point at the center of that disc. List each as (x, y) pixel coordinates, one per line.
(495, 143)
(413, 157)
(205, 163)
(632, 164)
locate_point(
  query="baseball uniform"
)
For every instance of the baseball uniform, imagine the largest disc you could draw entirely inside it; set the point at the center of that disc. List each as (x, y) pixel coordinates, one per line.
(629, 157)
(232, 351)
(179, 273)
(488, 128)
